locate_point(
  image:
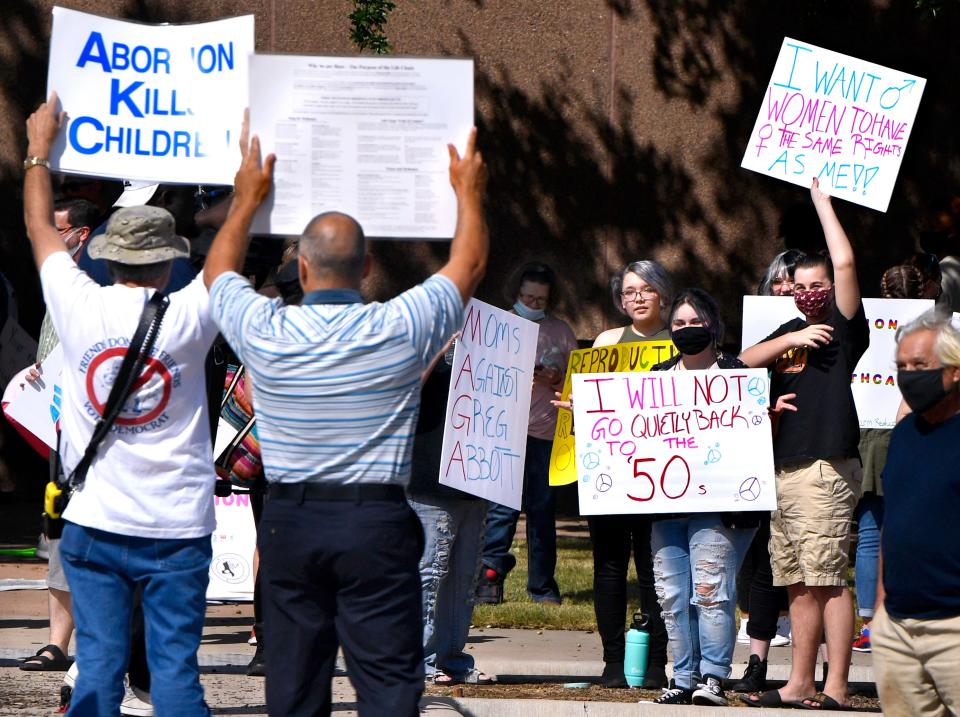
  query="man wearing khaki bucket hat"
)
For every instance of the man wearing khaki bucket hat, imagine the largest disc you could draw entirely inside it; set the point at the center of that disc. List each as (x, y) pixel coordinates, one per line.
(142, 517)
(139, 236)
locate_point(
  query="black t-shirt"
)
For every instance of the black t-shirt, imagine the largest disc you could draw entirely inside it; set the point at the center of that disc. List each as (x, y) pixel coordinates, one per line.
(920, 540)
(428, 441)
(825, 424)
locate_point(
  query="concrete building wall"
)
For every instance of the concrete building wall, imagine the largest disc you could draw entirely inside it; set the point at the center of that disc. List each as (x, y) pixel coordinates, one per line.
(613, 128)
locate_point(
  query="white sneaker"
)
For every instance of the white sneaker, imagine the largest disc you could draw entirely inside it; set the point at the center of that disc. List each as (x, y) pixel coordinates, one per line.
(136, 702)
(783, 636)
(70, 679)
(709, 692)
(742, 637)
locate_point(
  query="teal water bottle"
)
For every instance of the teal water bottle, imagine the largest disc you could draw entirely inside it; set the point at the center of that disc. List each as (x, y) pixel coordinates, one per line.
(637, 651)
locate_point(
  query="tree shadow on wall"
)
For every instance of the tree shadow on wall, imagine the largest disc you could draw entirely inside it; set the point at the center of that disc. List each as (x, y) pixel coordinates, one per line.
(570, 187)
(695, 37)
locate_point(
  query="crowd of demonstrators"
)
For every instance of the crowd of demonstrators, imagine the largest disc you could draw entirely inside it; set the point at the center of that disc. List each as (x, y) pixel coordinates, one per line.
(534, 291)
(363, 550)
(696, 556)
(642, 291)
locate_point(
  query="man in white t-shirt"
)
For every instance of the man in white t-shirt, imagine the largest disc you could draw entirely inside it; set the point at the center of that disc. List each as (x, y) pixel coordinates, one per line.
(144, 514)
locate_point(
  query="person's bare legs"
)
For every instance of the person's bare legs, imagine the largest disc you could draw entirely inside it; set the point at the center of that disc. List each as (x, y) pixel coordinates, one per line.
(760, 648)
(838, 621)
(806, 621)
(61, 619)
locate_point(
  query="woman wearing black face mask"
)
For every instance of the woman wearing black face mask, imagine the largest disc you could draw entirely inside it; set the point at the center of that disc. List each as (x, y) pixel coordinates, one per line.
(700, 549)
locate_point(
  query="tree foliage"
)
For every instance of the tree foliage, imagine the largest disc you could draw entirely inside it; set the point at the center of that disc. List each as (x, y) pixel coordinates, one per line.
(368, 22)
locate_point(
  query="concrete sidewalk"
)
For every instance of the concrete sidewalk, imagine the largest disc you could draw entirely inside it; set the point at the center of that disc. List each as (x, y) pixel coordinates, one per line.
(512, 655)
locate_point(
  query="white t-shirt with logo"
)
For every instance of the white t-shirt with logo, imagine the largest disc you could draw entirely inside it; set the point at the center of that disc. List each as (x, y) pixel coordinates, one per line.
(153, 475)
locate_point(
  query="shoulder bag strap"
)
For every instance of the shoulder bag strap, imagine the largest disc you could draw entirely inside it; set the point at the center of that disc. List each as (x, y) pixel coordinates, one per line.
(137, 353)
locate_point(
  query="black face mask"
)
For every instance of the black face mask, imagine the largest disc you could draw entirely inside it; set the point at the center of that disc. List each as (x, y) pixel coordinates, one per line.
(922, 390)
(691, 340)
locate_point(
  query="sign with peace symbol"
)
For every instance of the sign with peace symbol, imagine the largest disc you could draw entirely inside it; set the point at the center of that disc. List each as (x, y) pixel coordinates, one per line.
(604, 483)
(750, 489)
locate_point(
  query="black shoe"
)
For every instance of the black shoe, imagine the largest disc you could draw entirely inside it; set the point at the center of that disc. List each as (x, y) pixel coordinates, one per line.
(754, 677)
(612, 677)
(655, 678)
(675, 696)
(258, 665)
(710, 692)
(489, 587)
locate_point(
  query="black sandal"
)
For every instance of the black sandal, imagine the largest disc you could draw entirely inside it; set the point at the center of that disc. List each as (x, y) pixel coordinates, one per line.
(43, 663)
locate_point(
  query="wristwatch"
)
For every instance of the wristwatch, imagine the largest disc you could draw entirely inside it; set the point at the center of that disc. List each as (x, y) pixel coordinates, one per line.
(34, 161)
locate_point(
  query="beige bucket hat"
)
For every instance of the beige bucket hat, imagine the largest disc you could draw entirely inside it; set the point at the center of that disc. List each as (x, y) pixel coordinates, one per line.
(139, 235)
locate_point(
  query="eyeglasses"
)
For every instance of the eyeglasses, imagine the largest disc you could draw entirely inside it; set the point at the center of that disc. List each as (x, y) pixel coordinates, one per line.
(531, 298)
(646, 293)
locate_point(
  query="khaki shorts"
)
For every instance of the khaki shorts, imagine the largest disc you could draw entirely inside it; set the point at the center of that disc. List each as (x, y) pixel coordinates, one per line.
(811, 529)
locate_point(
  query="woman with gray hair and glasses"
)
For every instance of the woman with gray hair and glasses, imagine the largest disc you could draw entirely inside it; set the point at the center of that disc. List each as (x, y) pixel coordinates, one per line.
(643, 291)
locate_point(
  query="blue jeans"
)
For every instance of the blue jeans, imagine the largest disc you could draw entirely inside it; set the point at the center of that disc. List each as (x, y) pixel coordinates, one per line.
(869, 516)
(104, 570)
(695, 563)
(453, 530)
(538, 504)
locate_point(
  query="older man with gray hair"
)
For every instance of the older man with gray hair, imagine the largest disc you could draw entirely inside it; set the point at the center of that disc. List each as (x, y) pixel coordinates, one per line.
(916, 630)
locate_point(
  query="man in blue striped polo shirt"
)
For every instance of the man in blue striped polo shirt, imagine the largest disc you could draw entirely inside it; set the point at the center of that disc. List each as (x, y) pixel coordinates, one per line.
(337, 391)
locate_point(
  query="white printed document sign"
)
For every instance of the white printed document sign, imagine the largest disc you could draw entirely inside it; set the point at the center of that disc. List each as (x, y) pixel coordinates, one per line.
(162, 103)
(837, 118)
(366, 136)
(488, 405)
(673, 442)
(874, 382)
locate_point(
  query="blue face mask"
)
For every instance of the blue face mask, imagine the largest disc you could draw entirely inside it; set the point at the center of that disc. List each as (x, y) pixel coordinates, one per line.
(525, 312)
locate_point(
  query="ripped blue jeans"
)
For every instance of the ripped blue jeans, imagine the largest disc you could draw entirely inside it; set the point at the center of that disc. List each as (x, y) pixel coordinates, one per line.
(695, 563)
(453, 531)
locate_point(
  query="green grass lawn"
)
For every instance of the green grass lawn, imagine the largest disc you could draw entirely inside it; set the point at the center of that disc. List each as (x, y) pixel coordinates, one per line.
(575, 577)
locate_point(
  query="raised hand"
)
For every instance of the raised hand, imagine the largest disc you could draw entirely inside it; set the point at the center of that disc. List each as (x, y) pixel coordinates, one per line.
(254, 179)
(43, 126)
(468, 174)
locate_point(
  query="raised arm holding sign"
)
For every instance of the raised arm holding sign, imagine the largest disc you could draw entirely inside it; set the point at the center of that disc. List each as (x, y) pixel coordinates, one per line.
(838, 118)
